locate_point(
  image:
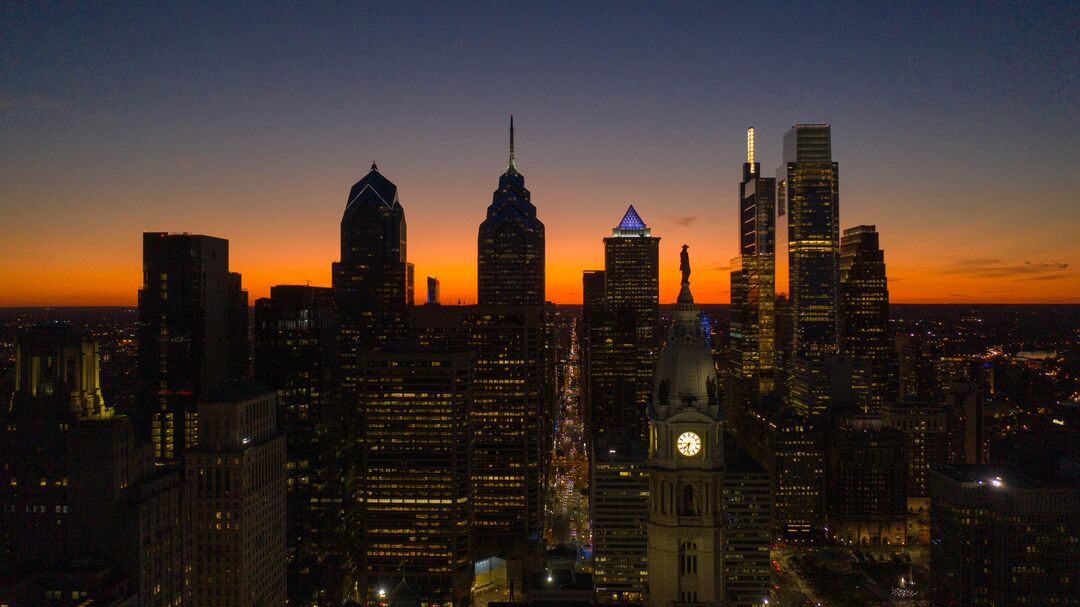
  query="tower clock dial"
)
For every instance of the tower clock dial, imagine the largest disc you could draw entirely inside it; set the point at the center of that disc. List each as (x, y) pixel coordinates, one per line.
(688, 444)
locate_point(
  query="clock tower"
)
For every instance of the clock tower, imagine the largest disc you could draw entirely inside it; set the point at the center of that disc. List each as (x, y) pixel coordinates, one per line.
(686, 466)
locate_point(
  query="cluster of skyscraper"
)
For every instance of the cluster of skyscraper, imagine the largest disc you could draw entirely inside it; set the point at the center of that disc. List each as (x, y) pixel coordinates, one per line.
(348, 445)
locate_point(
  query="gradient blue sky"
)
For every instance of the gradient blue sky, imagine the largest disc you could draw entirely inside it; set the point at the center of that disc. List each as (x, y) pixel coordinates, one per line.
(955, 126)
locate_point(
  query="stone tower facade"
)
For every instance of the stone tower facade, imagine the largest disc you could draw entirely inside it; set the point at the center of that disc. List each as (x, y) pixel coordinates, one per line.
(686, 467)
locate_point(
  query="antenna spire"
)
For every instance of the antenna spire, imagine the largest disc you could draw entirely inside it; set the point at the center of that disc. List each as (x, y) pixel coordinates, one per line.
(512, 167)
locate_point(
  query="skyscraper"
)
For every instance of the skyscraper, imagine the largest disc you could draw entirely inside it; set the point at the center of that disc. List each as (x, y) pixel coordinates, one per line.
(295, 353)
(191, 309)
(510, 245)
(56, 385)
(80, 496)
(507, 416)
(753, 284)
(236, 476)
(371, 280)
(808, 199)
(686, 466)
(619, 511)
(414, 498)
(864, 307)
(632, 311)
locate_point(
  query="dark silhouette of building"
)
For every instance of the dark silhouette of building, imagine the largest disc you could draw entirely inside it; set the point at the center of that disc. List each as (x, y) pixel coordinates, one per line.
(864, 307)
(56, 385)
(1001, 537)
(83, 508)
(432, 290)
(808, 202)
(236, 476)
(414, 493)
(193, 328)
(295, 354)
(866, 476)
(510, 245)
(371, 281)
(926, 426)
(753, 286)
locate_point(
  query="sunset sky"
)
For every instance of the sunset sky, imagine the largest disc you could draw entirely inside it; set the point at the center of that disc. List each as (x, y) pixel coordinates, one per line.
(956, 134)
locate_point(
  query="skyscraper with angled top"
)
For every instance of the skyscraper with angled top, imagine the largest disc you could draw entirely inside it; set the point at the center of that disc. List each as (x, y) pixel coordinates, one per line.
(510, 246)
(622, 339)
(864, 306)
(370, 281)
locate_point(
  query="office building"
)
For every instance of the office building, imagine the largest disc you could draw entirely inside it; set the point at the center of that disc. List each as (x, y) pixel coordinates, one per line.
(925, 425)
(807, 208)
(686, 466)
(192, 329)
(866, 482)
(508, 417)
(236, 478)
(371, 281)
(1000, 537)
(510, 244)
(753, 285)
(747, 495)
(619, 505)
(82, 505)
(56, 385)
(864, 307)
(414, 499)
(432, 290)
(295, 354)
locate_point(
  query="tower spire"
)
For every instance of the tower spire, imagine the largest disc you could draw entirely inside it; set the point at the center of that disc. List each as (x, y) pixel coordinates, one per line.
(512, 167)
(750, 147)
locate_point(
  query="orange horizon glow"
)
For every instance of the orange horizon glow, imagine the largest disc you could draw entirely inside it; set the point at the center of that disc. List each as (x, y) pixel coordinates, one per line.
(112, 275)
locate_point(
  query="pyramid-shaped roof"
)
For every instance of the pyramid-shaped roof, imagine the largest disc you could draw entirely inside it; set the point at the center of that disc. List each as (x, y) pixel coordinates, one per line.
(631, 220)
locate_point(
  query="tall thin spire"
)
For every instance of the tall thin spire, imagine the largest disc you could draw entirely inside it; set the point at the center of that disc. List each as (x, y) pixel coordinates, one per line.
(750, 148)
(511, 168)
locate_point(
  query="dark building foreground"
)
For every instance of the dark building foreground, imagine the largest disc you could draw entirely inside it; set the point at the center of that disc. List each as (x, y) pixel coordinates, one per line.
(999, 537)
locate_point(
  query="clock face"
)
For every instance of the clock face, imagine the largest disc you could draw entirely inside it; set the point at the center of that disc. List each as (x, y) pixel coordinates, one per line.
(688, 444)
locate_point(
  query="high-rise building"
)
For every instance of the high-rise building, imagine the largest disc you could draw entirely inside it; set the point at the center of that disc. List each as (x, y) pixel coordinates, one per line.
(926, 426)
(414, 499)
(371, 280)
(632, 312)
(808, 199)
(510, 245)
(192, 328)
(686, 466)
(866, 486)
(619, 509)
(82, 505)
(508, 417)
(432, 290)
(56, 385)
(864, 307)
(236, 476)
(748, 509)
(1000, 537)
(295, 354)
(753, 284)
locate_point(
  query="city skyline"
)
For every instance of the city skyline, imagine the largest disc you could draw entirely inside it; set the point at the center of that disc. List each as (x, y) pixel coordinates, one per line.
(953, 140)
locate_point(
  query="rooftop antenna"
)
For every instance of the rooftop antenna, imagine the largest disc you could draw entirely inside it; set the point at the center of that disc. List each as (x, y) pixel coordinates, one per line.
(512, 167)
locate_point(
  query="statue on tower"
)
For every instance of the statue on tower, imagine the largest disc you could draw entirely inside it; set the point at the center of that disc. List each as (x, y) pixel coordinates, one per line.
(684, 265)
